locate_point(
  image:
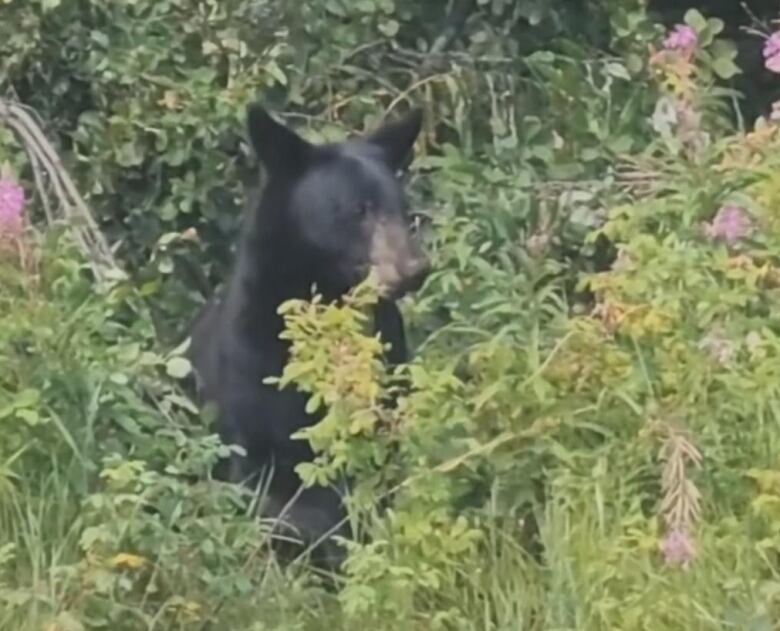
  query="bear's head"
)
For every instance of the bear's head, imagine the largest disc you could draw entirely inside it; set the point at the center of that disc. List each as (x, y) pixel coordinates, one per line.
(339, 209)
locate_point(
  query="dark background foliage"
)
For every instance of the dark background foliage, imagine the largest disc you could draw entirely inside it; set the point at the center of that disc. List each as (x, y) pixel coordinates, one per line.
(146, 98)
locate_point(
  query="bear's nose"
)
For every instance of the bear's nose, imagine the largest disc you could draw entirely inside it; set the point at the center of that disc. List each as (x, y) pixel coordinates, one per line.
(415, 272)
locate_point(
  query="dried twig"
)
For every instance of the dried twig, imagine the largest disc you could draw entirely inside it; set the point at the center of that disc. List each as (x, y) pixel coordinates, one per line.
(681, 503)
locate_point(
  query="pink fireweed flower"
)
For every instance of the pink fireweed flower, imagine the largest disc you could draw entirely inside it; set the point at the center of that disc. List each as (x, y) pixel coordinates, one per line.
(772, 45)
(773, 63)
(678, 549)
(772, 52)
(12, 203)
(682, 38)
(731, 224)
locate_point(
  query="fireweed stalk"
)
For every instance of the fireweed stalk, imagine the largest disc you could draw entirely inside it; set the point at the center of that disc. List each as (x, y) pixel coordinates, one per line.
(681, 503)
(12, 206)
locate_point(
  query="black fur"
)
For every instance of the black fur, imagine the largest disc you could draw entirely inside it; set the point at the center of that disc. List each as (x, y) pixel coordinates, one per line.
(328, 214)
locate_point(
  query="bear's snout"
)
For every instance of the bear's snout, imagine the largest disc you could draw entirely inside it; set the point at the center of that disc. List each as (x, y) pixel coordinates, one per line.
(400, 263)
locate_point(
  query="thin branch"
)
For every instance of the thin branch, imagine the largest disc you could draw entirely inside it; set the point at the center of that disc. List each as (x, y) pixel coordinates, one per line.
(48, 167)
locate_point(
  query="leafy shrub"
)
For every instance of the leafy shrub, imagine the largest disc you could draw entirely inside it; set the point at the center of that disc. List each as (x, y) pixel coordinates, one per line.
(629, 433)
(107, 515)
(147, 97)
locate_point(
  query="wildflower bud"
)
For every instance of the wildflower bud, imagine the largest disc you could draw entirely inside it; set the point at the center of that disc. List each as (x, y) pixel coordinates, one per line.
(683, 38)
(678, 548)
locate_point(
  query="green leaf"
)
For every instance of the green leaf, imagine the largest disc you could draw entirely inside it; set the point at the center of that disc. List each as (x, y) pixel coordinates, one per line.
(119, 378)
(168, 238)
(98, 37)
(29, 416)
(165, 265)
(617, 70)
(183, 402)
(715, 25)
(128, 155)
(28, 397)
(725, 68)
(178, 367)
(389, 28)
(273, 69)
(313, 404)
(695, 19)
(723, 48)
(634, 63)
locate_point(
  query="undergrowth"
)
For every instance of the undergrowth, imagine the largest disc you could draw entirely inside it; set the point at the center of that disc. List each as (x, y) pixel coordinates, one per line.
(580, 443)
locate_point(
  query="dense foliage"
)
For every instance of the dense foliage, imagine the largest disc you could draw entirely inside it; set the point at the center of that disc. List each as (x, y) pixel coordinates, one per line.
(147, 97)
(591, 436)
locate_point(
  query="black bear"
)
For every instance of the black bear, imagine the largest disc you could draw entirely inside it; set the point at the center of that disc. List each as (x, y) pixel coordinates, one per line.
(327, 216)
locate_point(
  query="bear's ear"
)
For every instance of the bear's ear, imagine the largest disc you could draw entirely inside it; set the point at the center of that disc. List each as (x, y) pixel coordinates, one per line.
(396, 139)
(280, 149)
